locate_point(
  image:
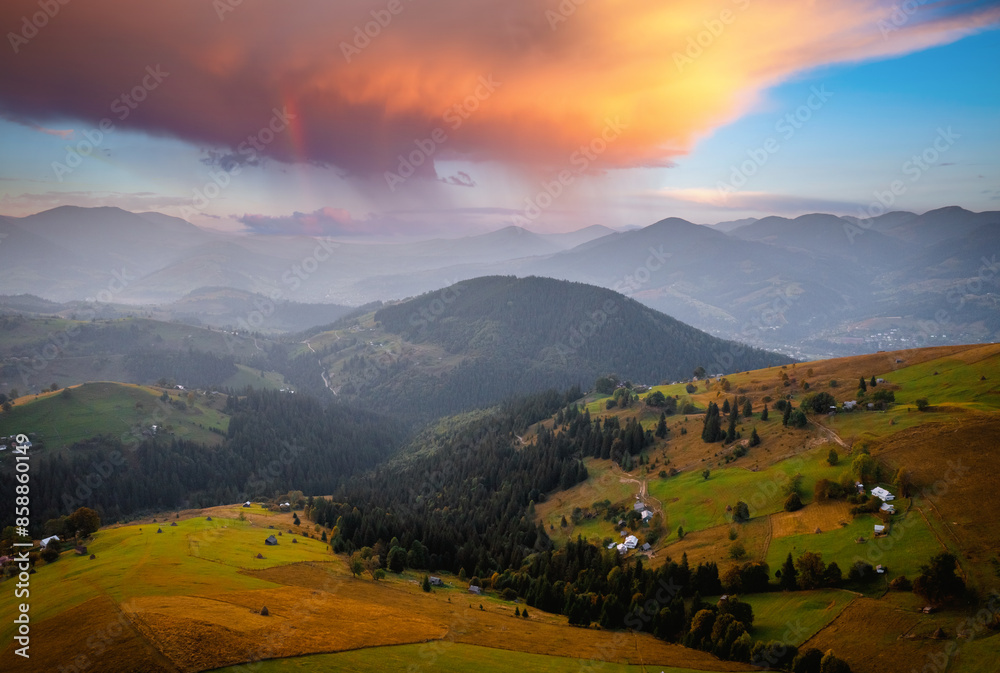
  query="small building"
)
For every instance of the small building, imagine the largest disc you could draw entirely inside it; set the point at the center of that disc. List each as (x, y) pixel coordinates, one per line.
(880, 569)
(639, 506)
(631, 541)
(611, 545)
(473, 589)
(859, 486)
(882, 494)
(622, 549)
(879, 530)
(435, 581)
(246, 504)
(646, 515)
(271, 540)
(646, 546)
(81, 550)
(850, 405)
(886, 507)
(45, 542)
(879, 380)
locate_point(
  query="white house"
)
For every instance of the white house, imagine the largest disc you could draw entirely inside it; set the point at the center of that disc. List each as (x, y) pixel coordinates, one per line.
(879, 380)
(882, 494)
(859, 486)
(849, 406)
(879, 529)
(611, 545)
(45, 542)
(622, 549)
(631, 541)
(639, 506)
(435, 581)
(886, 507)
(646, 515)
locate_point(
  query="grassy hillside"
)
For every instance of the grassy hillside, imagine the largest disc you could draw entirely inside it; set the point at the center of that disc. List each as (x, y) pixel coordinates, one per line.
(172, 608)
(60, 419)
(947, 452)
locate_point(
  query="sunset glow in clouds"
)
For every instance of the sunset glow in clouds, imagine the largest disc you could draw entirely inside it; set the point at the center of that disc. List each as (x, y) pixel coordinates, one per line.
(370, 88)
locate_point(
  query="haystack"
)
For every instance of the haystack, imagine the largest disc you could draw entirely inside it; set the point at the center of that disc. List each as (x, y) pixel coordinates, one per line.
(159, 530)
(264, 612)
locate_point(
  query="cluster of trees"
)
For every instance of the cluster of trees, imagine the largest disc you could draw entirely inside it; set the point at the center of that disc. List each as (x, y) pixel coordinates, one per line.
(712, 425)
(464, 493)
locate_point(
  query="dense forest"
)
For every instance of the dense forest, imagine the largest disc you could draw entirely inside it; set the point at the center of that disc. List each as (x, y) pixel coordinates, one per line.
(276, 442)
(466, 505)
(522, 335)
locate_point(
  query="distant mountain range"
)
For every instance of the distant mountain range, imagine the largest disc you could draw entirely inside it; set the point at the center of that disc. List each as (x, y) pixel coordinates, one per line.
(813, 285)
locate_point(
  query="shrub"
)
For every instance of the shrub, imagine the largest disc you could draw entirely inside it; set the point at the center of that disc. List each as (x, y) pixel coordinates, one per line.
(901, 583)
(923, 404)
(793, 503)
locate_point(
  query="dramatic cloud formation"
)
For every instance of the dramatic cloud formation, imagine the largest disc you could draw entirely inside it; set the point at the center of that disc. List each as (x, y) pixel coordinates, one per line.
(357, 85)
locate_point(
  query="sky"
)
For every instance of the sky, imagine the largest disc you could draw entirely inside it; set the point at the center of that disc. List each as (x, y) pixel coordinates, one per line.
(451, 117)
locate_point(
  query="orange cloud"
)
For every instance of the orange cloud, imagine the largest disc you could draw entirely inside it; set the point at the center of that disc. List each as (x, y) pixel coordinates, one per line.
(668, 71)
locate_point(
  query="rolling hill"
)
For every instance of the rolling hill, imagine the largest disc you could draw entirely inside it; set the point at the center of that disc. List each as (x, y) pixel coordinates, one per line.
(480, 341)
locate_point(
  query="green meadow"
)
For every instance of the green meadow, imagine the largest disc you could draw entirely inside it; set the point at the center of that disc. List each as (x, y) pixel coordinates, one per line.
(248, 376)
(794, 617)
(442, 657)
(697, 503)
(116, 409)
(909, 545)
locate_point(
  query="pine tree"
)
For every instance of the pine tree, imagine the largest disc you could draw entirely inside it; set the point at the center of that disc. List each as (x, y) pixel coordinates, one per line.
(787, 415)
(661, 427)
(747, 409)
(788, 581)
(873, 382)
(763, 414)
(754, 438)
(517, 611)
(712, 429)
(731, 432)
(862, 386)
(426, 584)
